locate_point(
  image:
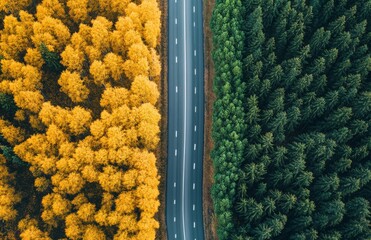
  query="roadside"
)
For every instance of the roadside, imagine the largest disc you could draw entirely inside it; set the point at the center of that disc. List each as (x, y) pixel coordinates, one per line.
(208, 208)
(162, 149)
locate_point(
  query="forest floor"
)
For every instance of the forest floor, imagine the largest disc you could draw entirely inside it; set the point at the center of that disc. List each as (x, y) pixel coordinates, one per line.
(208, 208)
(162, 148)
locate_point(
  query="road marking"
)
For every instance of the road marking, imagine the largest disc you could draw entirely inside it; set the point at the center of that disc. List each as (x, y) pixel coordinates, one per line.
(174, 184)
(175, 235)
(176, 152)
(194, 224)
(176, 41)
(195, 71)
(176, 134)
(195, 108)
(194, 8)
(194, 207)
(174, 201)
(176, 88)
(176, 21)
(176, 59)
(185, 119)
(195, 128)
(194, 146)
(194, 52)
(174, 219)
(194, 186)
(175, 1)
(194, 166)
(195, 90)
(194, 24)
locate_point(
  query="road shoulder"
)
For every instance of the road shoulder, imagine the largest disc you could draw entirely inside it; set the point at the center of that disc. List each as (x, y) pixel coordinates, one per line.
(163, 105)
(208, 208)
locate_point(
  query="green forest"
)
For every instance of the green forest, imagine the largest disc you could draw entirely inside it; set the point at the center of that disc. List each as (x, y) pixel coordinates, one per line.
(291, 120)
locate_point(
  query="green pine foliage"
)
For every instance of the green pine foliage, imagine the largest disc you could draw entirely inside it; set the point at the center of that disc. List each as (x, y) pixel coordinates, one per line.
(292, 119)
(52, 59)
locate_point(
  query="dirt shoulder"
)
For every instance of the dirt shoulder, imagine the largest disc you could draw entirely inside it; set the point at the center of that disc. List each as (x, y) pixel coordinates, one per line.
(208, 208)
(162, 151)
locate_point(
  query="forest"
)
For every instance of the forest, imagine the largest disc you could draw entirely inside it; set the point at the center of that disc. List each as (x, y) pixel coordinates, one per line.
(292, 119)
(79, 119)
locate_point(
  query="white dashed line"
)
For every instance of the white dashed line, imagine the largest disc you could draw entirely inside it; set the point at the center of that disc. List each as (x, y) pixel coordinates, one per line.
(195, 90)
(175, 235)
(195, 108)
(194, 52)
(176, 134)
(194, 207)
(176, 41)
(176, 152)
(195, 128)
(176, 88)
(176, 59)
(176, 21)
(195, 71)
(194, 24)
(194, 166)
(194, 146)
(194, 224)
(174, 201)
(174, 184)
(194, 186)
(174, 219)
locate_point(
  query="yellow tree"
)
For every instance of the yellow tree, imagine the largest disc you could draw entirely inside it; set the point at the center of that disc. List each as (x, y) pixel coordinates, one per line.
(14, 6)
(30, 231)
(100, 34)
(51, 8)
(14, 135)
(8, 197)
(72, 58)
(113, 98)
(147, 117)
(29, 100)
(78, 10)
(15, 36)
(114, 63)
(33, 57)
(143, 91)
(72, 85)
(99, 71)
(52, 32)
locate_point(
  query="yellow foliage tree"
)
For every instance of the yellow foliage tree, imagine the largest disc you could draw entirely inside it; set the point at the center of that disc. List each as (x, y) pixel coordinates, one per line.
(91, 158)
(78, 10)
(99, 72)
(13, 135)
(143, 91)
(51, 8)
(16, 35)
(73, 86)
(52, 32)
(114, 64)
(8, 197)
(30, 231)
(72, 58)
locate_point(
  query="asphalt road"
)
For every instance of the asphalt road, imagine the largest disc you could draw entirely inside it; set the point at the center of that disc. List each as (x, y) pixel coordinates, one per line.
(185, 120)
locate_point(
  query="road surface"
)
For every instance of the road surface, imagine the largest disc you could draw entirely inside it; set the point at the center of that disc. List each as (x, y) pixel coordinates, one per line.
(185, 120)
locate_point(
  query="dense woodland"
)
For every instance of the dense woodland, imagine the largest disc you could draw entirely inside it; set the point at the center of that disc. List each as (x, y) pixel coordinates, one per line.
(79, 123)
(292, 119)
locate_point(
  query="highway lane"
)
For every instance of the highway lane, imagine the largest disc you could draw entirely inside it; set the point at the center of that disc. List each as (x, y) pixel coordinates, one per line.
(184, 218)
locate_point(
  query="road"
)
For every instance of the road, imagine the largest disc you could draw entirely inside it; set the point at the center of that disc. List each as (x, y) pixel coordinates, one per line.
(185, 120)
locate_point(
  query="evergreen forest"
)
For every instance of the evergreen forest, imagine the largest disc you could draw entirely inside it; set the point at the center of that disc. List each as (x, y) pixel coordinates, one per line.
(292, 119)
(79, 119)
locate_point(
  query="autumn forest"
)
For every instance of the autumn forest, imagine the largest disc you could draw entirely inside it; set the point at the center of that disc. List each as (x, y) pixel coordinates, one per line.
(79, 121)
